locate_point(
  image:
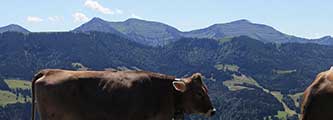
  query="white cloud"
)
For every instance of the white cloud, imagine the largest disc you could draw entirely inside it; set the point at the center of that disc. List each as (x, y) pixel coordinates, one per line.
(34, 19)
(56, 18)
(94, 5)
(80, 17)
(135, 16)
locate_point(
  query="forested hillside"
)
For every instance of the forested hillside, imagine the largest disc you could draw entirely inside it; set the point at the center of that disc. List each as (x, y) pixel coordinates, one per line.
(247, 79)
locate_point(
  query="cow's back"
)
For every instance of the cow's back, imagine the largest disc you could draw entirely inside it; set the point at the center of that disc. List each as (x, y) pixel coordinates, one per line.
(91, 95)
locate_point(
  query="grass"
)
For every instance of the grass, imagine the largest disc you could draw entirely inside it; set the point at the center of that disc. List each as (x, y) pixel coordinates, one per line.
(225, 39)
(7, 97)
(237, 81)
(282, 115)
(236, 84)
(18, 84)
(282, 72)
(277, 95)
(227, 67)
(296, 98)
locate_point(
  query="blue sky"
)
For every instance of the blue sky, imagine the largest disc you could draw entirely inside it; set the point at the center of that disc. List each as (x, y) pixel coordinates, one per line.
(303, 18)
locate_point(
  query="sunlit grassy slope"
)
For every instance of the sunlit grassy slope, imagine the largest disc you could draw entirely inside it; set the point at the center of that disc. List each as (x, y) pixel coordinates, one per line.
(239, 82)
(14, 96)
(18, 84)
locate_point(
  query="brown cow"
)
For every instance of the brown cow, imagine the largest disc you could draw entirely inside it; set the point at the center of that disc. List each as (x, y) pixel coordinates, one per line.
(121, 95)
(318, 98)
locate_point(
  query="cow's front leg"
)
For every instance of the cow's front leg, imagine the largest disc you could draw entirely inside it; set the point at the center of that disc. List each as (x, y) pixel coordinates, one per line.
(178, 116)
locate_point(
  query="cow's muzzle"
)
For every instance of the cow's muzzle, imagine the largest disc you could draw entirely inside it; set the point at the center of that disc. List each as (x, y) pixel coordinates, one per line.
(211, 112)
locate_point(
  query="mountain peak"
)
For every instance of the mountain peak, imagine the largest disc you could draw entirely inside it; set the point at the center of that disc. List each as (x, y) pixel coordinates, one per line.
(241, 21)
(96, 20)
(237, 22)
(13, 25)
(13, 28)
(134, 19)
(327, 37)
(97, 24)
(241, 27)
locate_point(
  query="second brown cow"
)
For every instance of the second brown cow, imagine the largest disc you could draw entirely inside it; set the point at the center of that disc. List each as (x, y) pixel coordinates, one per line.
(318, 98)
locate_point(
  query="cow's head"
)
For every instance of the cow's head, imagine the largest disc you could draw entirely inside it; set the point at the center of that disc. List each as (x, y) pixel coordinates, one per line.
(194, 95)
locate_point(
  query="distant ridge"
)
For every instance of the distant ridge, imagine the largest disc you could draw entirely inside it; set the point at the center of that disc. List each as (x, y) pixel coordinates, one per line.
(159, 34)
(141, 31)
(260, 32)
(239, 28)
(13, 28)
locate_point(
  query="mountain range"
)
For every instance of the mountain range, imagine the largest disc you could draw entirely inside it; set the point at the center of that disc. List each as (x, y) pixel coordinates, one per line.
(159, 34)
(250, 76)
(13, 28)
(247, 78)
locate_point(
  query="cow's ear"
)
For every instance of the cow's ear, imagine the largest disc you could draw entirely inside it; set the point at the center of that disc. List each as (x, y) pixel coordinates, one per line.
(179, 86)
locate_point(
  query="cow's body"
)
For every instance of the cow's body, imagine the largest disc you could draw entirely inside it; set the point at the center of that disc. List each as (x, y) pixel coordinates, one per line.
(105, 95)
(318, 98)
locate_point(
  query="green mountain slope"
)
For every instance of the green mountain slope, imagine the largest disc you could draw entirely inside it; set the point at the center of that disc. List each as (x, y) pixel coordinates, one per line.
(247, 79)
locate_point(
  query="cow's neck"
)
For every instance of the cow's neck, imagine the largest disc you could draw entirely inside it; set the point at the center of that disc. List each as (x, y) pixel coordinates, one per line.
(178, 108)
(178, 104)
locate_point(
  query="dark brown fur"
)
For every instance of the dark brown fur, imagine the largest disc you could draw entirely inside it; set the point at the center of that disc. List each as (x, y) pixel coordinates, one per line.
(109, 95)
(318, 98)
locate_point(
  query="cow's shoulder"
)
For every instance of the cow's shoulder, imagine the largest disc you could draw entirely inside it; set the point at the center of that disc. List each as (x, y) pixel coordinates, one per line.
(133, 75)
(154, 75)
(124, 78)
(133, 79)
